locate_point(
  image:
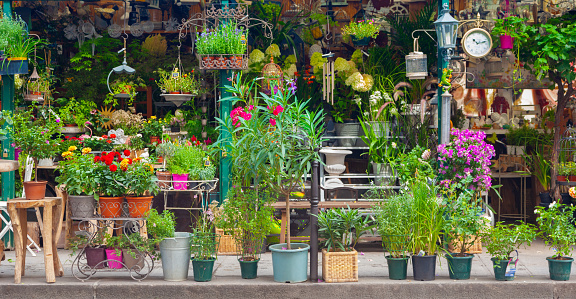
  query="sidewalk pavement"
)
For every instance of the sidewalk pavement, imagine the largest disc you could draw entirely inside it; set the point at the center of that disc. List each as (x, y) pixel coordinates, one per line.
(532, 281)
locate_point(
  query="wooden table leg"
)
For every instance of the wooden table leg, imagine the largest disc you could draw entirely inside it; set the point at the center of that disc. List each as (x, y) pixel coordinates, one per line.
(23, 217)
(48, 242)
(57, 229)
(18, 242)
(283, 226)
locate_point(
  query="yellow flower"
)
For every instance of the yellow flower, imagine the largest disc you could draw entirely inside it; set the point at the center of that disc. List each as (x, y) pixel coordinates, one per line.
(124, 163)
(149, 121)
(66, 154)
(72, 148)
(151, 167)
(153, 117)
(86, 150)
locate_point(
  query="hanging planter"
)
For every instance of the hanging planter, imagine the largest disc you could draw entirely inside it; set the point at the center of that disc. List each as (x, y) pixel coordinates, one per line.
(14, 66)
(506, 42)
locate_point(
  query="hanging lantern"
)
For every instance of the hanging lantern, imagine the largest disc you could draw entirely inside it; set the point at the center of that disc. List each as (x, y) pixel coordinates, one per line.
(273, 75)
(416, 64)
(446, 27)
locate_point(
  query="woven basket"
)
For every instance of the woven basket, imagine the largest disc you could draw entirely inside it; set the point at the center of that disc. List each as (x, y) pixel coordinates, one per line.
(227, 243)
(476, 247)
(340, 266)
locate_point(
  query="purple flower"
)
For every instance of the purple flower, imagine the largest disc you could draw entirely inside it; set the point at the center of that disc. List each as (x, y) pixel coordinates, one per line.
(57, 120)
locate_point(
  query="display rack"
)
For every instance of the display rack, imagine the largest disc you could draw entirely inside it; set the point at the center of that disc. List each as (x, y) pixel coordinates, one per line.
(90, 227)
(199, 190)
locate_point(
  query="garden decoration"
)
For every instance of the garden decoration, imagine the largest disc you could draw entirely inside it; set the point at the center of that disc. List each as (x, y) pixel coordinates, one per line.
(328, 80)
(273, 75)
(556, 223)
(126, 88)
(178, 88)
(36, 87)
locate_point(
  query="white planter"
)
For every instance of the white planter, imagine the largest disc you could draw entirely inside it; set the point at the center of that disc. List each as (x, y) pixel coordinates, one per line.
(510, 150)
(520, 150)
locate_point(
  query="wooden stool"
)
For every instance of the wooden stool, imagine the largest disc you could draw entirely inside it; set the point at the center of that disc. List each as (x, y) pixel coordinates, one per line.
(53, 213)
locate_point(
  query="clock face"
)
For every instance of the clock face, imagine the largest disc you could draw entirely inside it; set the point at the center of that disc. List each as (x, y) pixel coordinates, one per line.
(477, 43)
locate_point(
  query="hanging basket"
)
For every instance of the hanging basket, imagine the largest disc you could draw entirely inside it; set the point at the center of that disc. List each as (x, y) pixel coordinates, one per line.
(177, 99)
(223, 61)
(13, 66)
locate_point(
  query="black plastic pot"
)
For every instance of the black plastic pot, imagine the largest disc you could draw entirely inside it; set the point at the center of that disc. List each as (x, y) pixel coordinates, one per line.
(175, 129)
(424, 267)
(566, 198)
(545, 197)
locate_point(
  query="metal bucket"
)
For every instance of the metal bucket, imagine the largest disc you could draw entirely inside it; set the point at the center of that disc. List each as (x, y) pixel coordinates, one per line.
(175, 254)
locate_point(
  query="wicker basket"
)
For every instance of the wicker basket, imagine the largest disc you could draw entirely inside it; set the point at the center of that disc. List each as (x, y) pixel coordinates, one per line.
(340, 266)
(476, 247)
(227, 243)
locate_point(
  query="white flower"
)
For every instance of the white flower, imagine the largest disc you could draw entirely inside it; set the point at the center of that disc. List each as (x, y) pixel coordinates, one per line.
(366, 113)
(426, 154)
(394, 144)
(377, 93)
(373, 101)
(357, 101)
(552, 204)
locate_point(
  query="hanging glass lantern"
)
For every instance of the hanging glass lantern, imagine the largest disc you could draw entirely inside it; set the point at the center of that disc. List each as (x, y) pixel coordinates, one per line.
(446, 27)
(36, 86)
(416, 64)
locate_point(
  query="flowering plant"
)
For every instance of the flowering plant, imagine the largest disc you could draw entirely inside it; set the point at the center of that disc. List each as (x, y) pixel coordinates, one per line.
(98, 143)
(227, 38)
(77, 171)
(557, 227)
(140, 178)
(189, 83)
(466, 154)
(272, 144)
(110, 174)
(167, 82)
(177, 121)
(361, 29)
(152, 127)
(204, 241)
(34, 136)
(161, 226)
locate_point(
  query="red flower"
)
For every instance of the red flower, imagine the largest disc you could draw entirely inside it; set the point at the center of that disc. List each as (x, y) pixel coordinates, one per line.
(119, 159)
(272, 122)
(107, 160)
(112, 136)
(113, 167)
(104, 153)
(105, 136)
(126, 152)
(129, 161)
(117, 154)
(96, 159)
(109, 141)
(193, 139)
(67, 137)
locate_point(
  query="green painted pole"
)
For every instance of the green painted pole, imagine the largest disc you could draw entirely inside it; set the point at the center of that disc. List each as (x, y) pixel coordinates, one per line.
(7, 92)
(442, 63)
(225, 109)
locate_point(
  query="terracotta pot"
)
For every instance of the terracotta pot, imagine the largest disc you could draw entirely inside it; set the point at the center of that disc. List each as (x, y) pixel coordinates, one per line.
(70, 125)
(138, 206)
(160, 159)
(110, 207)
(175, 92)
(164, 176)
(35, 190)
(572, 178)
(561, 178)
(154, 139)
(36, 93)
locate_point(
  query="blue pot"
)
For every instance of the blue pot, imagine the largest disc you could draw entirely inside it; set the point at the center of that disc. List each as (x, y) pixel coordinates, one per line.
(290, 265)
(13, 67)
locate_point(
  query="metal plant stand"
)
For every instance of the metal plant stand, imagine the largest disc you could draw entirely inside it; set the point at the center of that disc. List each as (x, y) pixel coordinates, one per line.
(90, 227)
(198, 189)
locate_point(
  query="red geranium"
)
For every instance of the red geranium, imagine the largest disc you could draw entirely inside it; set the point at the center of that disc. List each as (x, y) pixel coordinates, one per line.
(113, 167)
(112, 136)
(104, 153)
(193, 139)
(105, 136)
(109, 141)
(126, 152)
(96, 159)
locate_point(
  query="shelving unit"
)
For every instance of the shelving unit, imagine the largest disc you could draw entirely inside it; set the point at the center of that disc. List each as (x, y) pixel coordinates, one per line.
(200, 190)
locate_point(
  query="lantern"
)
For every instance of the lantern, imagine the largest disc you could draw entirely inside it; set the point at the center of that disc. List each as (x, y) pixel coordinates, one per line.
(273, 75)
(36, 86)
(416, 64)
(446, 27)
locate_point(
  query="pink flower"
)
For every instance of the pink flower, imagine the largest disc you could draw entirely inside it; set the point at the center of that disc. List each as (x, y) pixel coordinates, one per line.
(57, 120)
(277, 110)
(47, 142)
(250, 108)
(272, 122)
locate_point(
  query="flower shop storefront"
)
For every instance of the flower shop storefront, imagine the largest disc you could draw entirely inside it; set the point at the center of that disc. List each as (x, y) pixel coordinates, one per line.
(173, 133)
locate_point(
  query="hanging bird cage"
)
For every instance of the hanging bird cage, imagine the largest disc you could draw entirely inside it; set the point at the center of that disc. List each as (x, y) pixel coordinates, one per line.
(567, 152)
(273, 75)
(36, 87)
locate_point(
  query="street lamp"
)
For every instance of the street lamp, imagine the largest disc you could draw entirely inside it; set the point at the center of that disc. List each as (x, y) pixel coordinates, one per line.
(446, 27)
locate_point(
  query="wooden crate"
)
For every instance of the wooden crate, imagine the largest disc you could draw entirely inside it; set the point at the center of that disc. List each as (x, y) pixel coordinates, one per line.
(340, 266)
(476, 247)
(227, 243)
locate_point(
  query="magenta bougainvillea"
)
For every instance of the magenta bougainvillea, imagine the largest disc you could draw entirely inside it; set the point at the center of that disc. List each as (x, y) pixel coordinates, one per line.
(467, 154)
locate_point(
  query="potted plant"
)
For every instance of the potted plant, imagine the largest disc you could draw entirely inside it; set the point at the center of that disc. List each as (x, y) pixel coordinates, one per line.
(274, 142)
(189, 84)
(124, 89)
(222, 48)
(185, 165)
(393, 217)
(501, 240)
(169, 81)
(112, 184)
(165, 150)
(247, 215)
(572, 171)
(174, 246)
(462, 227)
(113, 249)
(141, 186)
(540, 167)
(341, 229)
(93, 249)
(556, 225)
(507, 30)
(564, 170)
(75, 113)
(361, 31)
(34, 139)
(152, 129)
(176, 122)
(77, 178)
(15, 45)
(408, 166)
(134, 250)
(428, 223)
(204, 245)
